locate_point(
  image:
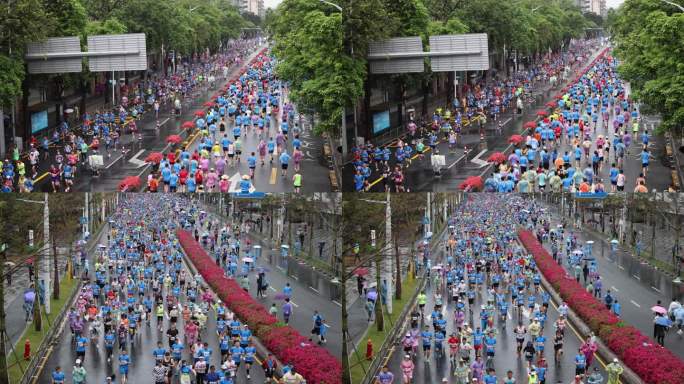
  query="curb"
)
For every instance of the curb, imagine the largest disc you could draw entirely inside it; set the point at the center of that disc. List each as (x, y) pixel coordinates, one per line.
(262, 352)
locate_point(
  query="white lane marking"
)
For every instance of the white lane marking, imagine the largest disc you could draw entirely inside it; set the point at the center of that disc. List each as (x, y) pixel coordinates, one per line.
(655, 289)
(614, 289)
(280, 268)
(636, 277)
(314, 289)
(621, 267)
(271, 288)
(117, 158)
(635, 303)
(456, 162)
(336, 302)
(164, 122)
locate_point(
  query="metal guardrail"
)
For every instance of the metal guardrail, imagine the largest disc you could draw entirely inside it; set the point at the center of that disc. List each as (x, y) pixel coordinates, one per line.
(32, 370)
(399, 326)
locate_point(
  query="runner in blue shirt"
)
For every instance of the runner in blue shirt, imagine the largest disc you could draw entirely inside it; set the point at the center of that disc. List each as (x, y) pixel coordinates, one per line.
(284, 161)
(250, 352)
(124, 360)
(58, 376)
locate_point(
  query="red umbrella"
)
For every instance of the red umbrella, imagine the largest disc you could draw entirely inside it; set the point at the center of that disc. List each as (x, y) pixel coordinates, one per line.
(130, 183)
(361, 272)
(188, 125)
(530, 125)
(558, 96)
(174, 139)
(516, 139)
(497, 157)
(154, 157)
(472, 183)
(208, 104)
(551, 104)
(200, 113)
(542, 113)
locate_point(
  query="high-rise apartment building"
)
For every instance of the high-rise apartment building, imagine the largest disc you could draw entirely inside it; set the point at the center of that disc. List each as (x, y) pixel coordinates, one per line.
(253, 6)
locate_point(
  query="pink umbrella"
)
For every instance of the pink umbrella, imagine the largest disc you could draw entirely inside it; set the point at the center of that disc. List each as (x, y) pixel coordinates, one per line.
(188, 125)
(361, 272)
(542, 113)
(174, 139)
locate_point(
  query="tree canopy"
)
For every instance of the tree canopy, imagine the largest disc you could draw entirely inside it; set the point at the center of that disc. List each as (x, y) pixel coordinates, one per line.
(186, 26)
(306, 60)
(648, 39)
(309, 43)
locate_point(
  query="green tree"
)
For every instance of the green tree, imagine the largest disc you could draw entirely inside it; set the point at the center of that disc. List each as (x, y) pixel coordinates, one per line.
(648, 39)
(23, 21)
(308, 41)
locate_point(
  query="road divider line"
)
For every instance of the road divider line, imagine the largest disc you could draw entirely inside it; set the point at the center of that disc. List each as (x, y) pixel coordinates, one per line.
(41, 177)
(314, 289)
(293, 303)
(635, 303)
(271, 288)
(636, 277)
(114, 161)
(274, 173)
(621, 267)
(337, 302)
(614, 289)
(655, 289)
(456, 162)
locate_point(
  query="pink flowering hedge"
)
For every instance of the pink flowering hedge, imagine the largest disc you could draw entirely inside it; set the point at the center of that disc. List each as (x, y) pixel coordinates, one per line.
(315, 363)
(653, 363)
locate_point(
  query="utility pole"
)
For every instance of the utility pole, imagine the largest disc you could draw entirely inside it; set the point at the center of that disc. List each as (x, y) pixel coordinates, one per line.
(4, 379)
(388, 251)
(46, 254)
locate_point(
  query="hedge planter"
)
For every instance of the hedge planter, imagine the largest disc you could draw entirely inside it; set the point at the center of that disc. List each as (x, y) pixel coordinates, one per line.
(313, 362)
(653, 363)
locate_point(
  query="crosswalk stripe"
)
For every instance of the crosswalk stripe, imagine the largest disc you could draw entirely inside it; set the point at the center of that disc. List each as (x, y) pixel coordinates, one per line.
(274, 173)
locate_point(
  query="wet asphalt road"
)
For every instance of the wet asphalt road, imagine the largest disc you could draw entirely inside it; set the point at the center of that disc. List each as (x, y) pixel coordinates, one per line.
(505, 358)
(142, 361)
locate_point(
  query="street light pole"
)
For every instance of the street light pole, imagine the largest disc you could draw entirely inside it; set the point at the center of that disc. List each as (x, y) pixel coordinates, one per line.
(46, 254)
(388, 252)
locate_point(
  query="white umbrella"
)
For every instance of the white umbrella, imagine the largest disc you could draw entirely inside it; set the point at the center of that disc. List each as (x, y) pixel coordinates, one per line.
(590, 242)
(614, 241)
(101, 246)
(9, 264)
(247, 259)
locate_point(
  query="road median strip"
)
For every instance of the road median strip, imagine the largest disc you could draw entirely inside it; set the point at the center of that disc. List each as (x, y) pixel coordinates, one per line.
(644, 360)
(313, 362)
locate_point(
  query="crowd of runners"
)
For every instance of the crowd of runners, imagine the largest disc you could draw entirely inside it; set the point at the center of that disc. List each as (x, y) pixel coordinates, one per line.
(483, 287)
(481, 101)
(66, 150)
(139, 283)
(249, 126)
(584, 145)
